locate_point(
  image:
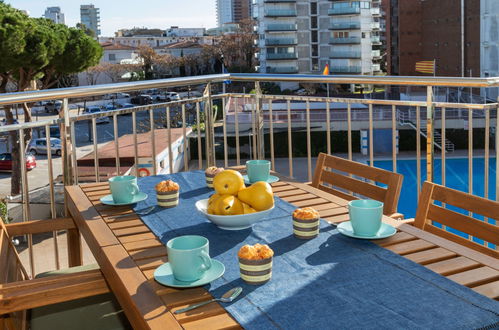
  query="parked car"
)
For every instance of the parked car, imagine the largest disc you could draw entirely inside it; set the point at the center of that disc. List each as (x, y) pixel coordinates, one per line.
(53, 106)
(111, 106)
(6, 162)
(100, 120)
(116, 96)
(39, 146)
(141, 99)
(172, 96)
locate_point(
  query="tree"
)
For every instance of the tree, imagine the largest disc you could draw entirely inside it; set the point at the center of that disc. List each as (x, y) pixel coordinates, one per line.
(148, 56)
(37, 48)
(238, 49)
(85, 29)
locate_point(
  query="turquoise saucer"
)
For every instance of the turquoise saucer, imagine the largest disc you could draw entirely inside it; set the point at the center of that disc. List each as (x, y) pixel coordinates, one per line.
(385, 231)
(271, 179)
(108, 199)
(163, 274)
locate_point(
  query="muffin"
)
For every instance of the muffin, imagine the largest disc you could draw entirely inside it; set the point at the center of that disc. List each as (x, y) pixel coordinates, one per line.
(255, 263)
(306, 223)
(210, 174)
(167, 193)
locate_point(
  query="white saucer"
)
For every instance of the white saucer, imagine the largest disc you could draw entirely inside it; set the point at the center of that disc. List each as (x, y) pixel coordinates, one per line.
(163, 274)
(385, 231)
(108, 199)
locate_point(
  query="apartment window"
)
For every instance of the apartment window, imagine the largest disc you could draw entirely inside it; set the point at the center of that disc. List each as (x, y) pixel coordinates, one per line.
(315, 50)
(314, 36)
(112, 57)
(313, 22)
(341, 34)
(313, 8)
(315, 64)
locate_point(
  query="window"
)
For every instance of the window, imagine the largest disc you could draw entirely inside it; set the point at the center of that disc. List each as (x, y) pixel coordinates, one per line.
(315, 50)
(315, 64)
(112, 57)
(313, 22)
(314, 36)
(313, 8)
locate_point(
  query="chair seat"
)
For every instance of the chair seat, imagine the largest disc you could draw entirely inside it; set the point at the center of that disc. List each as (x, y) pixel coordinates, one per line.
(97, 312)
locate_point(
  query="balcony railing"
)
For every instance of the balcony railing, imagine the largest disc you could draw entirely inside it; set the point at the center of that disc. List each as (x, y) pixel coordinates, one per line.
(280, 12)
(348, 40)
(375, 53)
(343, 11)
(246, 126)
(278, 1)
(281, 27)
(280, 41)
(351, 54)
(375, 26)
(346, 69)
(375, 11)
(376, 39)
(282, 69)
(281, 56)
(345, 26)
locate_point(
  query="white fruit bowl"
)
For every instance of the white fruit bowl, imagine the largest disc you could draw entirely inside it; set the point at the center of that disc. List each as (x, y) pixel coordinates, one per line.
(231, 222)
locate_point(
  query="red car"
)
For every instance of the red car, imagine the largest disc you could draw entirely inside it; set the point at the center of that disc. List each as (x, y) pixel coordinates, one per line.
(6, 162)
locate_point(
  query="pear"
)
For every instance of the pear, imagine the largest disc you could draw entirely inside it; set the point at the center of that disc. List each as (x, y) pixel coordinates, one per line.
(228, 182)
(248, 209)
(212, 202)
(259, 196)
(228, 205)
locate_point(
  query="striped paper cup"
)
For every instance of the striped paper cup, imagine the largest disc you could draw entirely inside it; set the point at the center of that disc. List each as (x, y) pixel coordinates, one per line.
(306, 229)
(167, 199)
(209, 180)
(255, 272)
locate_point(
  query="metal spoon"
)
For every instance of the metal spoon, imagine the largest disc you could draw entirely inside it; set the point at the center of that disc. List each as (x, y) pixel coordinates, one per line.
(228, 296)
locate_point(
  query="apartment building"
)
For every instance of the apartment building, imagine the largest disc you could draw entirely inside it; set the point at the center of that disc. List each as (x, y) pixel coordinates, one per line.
(90, 17)
(232, 11)
(55, 14)
(303, 36)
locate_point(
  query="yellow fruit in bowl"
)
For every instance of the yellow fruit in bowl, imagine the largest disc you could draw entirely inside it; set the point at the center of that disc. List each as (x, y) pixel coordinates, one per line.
(248, 209)
(259, 196)
(228, 205)
(228, 182)
(212, 201)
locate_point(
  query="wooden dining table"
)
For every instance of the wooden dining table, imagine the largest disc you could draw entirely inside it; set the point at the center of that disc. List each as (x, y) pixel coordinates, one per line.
(128, 253)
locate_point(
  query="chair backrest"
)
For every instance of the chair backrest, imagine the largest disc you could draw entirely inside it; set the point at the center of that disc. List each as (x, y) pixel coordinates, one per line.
(483, 225)
(340, 176)
(11, 270)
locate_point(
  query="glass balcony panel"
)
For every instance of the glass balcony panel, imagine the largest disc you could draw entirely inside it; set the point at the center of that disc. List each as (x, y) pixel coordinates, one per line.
(375, 25)
(280, 41)
(375, 53)
(375, 39)
(349, 40)
(350, 54)
(346, 69)
(343, 11)
(280, 12)
(281, 56)
(375, 11)
(282, 69)
(345, 26)
(281, 27)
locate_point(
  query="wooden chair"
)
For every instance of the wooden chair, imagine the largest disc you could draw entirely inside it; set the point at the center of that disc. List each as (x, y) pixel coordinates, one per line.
(46, 299)
(332, 174)
(429, 213)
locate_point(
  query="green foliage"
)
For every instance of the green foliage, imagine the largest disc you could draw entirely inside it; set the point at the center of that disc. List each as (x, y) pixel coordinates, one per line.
(3, 211)
(12, 33)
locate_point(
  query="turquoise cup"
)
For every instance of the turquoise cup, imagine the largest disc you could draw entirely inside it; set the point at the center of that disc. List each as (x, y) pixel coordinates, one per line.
(258, 170)
(123, 188)
(365, 216)
(189, 257)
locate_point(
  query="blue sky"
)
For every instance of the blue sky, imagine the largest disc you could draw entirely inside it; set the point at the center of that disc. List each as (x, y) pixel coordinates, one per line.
(120, 14)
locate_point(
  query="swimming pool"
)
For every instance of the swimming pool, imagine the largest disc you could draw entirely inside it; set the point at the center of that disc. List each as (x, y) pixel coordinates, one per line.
(456, 175)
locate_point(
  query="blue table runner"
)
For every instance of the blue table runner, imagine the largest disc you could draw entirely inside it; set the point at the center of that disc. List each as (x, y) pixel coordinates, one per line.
(331, 281)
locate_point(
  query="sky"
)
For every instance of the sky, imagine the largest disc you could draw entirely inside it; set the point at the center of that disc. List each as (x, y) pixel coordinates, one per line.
(119, 14)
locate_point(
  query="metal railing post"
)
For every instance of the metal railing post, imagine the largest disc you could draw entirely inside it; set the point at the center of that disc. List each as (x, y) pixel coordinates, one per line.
(67, 146)
(429, 138)
(260, 142)
(208, 127)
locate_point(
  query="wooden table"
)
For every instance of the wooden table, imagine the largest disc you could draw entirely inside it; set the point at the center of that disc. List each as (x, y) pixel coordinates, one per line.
(128, 253)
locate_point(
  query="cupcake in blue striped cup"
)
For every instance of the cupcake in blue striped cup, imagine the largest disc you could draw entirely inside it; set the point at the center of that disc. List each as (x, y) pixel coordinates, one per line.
(167, 193)
(306, 222)
(210, 173)
(255, 263)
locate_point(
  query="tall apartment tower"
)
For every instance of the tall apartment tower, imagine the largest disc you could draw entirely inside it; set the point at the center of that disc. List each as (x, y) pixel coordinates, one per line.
(54, 14)
(90, 17)
(302, 36)
(232, 11)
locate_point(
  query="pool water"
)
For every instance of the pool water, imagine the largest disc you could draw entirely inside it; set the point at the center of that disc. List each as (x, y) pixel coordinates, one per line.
(456, 177)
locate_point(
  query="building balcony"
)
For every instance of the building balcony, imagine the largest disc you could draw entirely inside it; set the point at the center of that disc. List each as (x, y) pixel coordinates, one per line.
(279, 1)
(376, 54)
(346, 69)
(280, 41)
(345, 55)
(344, 11)
(376, 67)
(376, 40)
(345, 26)
(280, 13)
(349, 40)
(375, 26)
(280, 27)
(376, 11)
(282, 69)
(282, 56)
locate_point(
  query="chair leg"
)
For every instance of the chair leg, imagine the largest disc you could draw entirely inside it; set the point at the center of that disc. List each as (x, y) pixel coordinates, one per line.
(75, 257)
